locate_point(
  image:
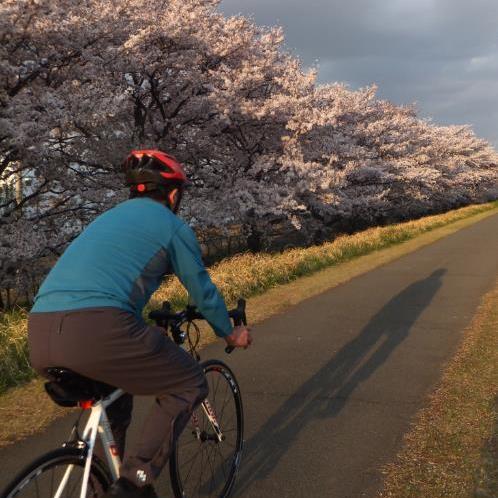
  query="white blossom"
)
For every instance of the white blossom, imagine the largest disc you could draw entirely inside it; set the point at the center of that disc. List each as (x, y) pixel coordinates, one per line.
(259, 139)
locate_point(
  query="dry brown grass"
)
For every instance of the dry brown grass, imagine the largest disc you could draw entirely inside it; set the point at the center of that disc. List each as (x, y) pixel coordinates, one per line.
(14, 365)
(25, 411)
(274, 283)
(245, 275)
(452, 449)
(252, 274)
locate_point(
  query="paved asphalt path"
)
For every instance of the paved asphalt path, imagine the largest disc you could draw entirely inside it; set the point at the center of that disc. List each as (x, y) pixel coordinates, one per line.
(331, 385)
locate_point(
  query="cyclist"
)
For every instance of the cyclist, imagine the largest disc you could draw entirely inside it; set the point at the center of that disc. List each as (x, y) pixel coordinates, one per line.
(87, 315)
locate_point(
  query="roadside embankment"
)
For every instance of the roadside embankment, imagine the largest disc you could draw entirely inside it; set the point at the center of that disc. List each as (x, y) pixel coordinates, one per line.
(272, 281)
(14, 365)
(252, 274)
(452, 449)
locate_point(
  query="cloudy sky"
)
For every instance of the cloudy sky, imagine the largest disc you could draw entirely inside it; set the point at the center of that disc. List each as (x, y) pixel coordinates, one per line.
(440, 54)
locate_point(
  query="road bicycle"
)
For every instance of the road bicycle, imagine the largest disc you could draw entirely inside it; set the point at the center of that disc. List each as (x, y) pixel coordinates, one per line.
(205, 458)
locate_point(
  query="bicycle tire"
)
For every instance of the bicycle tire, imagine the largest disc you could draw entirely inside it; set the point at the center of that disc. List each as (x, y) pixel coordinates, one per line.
(20, 486)
(216, 371)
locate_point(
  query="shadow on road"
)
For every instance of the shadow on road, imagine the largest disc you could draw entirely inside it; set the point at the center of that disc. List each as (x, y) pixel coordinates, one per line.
(328, 390)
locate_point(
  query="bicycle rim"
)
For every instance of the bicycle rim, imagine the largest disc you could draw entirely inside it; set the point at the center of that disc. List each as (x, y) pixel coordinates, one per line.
(201, 465)
(43, 478)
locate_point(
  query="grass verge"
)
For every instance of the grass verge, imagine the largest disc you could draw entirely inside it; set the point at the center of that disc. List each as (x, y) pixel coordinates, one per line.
(14, 367)
(275, 282)
(252, 274)
(452, 449)
(25, 411)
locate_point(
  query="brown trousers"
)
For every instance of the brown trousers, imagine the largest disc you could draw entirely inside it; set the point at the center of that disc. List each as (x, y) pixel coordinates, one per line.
(110, 345)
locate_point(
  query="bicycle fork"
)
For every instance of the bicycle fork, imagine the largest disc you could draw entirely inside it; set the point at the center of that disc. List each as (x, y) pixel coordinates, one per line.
(201, 435)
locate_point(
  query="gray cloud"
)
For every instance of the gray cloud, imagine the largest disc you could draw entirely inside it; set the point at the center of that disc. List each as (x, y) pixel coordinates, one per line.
(440, 54)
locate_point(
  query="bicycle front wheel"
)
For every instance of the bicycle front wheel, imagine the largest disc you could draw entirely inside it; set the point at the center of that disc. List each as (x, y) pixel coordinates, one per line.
(206, 457)
(59, 474)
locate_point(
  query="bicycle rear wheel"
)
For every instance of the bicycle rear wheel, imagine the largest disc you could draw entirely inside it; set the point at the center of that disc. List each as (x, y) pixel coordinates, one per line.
(43, 477)
(201, 464)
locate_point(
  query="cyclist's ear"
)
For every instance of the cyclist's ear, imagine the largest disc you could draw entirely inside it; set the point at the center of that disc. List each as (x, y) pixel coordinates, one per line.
(174, 199)
(172, 196)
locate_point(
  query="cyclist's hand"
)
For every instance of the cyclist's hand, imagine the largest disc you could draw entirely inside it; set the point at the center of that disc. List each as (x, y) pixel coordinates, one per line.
(240, 337)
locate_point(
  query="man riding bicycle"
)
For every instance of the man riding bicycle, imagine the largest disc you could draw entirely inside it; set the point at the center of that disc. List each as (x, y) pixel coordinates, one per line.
(87, 315)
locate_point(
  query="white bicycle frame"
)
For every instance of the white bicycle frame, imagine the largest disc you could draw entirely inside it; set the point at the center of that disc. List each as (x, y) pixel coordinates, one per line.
(98, 424)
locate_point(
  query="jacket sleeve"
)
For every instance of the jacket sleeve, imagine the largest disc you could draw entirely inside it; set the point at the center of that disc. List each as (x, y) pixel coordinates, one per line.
(186, 261)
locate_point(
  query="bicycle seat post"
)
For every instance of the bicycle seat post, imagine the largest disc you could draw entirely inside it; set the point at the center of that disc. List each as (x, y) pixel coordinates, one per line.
(89, 437)
(97, 423)
(108, 443)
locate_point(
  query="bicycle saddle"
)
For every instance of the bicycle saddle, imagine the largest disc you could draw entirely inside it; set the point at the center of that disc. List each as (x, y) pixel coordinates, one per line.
(67, 388)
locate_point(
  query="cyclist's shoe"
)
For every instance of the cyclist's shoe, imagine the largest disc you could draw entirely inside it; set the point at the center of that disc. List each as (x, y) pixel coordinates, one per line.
(124, 488)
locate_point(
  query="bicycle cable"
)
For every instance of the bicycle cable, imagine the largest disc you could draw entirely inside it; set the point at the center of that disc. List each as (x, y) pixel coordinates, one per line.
(193, 345)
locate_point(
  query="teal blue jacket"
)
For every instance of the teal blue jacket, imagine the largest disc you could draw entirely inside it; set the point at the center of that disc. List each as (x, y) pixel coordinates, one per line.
(121, 258)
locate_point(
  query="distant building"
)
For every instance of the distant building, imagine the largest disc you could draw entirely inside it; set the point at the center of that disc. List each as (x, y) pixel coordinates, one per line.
(15, 185)
(10, 189)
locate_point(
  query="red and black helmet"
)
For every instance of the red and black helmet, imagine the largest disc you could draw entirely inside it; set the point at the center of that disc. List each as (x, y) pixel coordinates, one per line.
(148, 170)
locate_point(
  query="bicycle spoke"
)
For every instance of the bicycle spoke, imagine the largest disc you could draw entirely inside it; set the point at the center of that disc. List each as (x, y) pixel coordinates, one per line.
(202, 468)
(192, 466)
(37, 488)
(209, 466)
(52, 484)
(222, 461)
(204, 422)
(49, 477)
(187, 443)
(230, 420)
(213, 467)
(76, 482)
(212, 462)
(224, 405)
(212, 389)
(191, 459)
(216, 390)
(212, 475)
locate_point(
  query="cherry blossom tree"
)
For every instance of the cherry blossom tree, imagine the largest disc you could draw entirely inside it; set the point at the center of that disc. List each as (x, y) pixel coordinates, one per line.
(84, 82)
(76, 96)
(365, 161)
